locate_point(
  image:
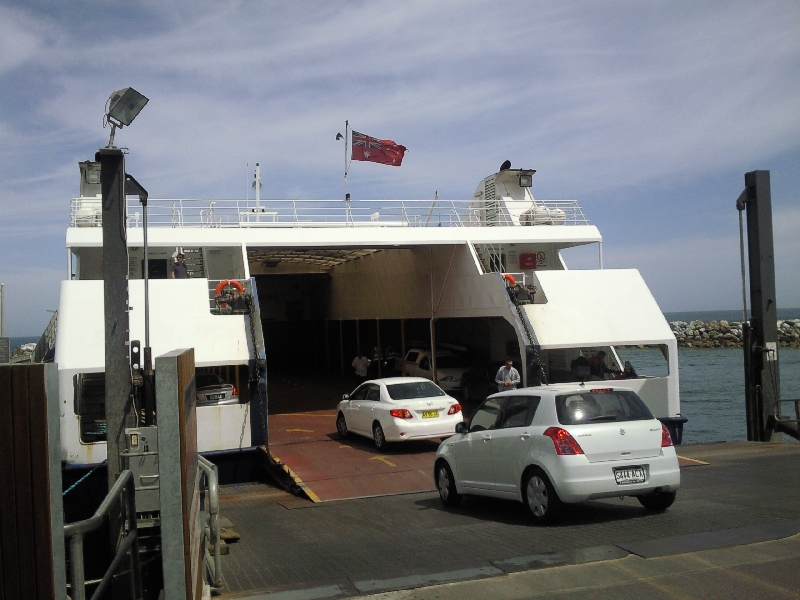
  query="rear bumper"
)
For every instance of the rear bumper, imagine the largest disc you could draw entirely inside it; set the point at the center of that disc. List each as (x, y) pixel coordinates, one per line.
(400, 430)
(577, 480)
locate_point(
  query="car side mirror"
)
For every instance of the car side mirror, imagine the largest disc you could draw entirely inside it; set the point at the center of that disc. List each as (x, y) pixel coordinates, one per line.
(345, 396)
(461, 428)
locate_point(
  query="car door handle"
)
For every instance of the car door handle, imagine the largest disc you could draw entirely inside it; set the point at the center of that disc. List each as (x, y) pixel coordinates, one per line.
(487, 438)
(524, 436)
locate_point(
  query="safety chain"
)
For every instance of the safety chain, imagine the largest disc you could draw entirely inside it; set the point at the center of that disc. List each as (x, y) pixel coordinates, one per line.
(82, 479)
(524, 321)
(260, 366)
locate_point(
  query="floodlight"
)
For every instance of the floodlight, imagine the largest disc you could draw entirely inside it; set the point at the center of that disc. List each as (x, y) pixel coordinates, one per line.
(526, 178)
(123, 106)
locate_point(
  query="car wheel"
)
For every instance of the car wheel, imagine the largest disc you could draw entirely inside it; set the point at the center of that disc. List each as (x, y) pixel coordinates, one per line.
(540, 497)
(446, 484)
(378, 436)
(341, 426)
(658, 502)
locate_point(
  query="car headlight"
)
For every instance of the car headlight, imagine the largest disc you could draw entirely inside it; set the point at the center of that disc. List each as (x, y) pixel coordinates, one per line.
(449, 378)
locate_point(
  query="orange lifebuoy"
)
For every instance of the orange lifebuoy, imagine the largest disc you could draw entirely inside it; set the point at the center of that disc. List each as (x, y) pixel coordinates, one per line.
(227, 282)
(509, 278)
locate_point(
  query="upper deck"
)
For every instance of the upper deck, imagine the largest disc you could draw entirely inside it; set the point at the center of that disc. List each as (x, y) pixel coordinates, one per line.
(373, 222)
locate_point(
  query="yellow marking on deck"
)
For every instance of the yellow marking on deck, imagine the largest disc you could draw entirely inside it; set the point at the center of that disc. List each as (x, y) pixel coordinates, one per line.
(343, 446)
(303, 414)
(300, 430)
(384, 459)
(694, 460)
(311, 495)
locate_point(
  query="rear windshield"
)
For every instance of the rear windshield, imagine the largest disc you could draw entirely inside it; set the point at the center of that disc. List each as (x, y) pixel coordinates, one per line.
(413, 390)
(207, 379)
(451, 362)
(601, 407)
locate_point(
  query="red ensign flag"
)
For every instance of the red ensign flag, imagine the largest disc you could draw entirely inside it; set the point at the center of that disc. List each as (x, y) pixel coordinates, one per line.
(385, 152)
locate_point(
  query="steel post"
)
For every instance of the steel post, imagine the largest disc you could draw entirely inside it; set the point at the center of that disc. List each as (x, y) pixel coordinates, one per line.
(76, 567)
(764, 376)
(115, 306)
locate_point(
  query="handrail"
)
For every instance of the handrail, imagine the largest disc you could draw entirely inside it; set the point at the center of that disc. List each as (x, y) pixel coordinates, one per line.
(180, 212)
(47, 341)
(211, 532)
(129, 545)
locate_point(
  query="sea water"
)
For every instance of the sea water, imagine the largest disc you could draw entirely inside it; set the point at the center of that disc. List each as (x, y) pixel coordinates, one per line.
(712, 387)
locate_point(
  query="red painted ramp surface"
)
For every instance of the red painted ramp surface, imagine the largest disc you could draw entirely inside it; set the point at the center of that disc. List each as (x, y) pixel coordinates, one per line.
(329, 468)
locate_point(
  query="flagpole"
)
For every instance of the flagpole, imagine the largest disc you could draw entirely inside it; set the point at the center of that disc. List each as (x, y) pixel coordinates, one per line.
(346, 128)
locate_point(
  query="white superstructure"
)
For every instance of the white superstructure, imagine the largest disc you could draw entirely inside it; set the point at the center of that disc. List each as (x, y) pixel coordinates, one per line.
(380, 260)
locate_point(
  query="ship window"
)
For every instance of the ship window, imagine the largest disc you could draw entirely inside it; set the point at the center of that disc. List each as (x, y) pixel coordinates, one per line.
(90, 406)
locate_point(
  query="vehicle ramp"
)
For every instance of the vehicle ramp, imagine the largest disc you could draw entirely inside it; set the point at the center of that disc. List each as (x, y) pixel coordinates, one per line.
(326, 467)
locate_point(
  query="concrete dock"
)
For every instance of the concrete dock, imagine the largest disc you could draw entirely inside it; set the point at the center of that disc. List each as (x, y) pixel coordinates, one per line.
(733, 532)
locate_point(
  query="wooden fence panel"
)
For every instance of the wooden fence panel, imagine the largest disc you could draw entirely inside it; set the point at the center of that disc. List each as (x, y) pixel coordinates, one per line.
(26, 533)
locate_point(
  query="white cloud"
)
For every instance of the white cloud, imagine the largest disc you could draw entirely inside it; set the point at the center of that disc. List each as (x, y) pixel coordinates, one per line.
(597, 97)
(702, 273)
(22, 38)
(29, 293)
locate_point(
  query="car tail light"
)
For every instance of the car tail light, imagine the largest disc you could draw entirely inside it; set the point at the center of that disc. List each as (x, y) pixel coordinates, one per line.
(563, 441)
(401, 413)
(455, 408)
(602, 390)
(234, 391)
(666, 438)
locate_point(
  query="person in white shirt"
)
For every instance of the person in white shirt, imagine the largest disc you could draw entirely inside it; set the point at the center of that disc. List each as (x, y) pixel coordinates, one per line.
(507, 377)
(361, 365)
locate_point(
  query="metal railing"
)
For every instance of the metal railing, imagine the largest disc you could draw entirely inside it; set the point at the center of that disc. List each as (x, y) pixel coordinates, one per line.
(211, 530)
(124, 487)
(86, 212)
(47, 341)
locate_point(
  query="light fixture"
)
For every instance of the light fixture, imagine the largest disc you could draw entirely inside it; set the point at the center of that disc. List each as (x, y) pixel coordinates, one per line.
(339, 136)
(526, 179)
(123, 106)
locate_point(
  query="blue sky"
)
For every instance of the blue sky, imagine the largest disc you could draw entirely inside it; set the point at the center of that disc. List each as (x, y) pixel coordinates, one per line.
(647, 113)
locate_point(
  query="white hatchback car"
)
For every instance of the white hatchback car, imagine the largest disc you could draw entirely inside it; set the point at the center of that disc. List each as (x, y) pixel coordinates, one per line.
(557, 444)
(398, 409)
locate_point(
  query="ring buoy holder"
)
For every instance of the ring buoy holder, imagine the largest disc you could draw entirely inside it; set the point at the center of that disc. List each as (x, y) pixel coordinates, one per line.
(221, 286)
(509, 278)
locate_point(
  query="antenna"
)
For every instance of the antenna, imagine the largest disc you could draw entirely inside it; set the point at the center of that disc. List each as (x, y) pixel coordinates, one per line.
(257, 186)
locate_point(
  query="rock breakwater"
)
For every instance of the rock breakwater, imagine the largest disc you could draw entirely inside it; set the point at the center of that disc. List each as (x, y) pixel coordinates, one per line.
(725, 334)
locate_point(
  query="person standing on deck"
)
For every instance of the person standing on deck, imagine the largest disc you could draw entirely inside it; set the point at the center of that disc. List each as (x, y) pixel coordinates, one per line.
(507, 377)
(178, 270)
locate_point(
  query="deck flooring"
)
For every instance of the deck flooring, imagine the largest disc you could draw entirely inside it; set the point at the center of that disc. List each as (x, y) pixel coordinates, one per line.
(289, 543)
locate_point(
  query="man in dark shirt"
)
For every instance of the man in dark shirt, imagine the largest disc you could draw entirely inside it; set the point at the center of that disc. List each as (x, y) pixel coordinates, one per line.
(179, 270)
(598, 367)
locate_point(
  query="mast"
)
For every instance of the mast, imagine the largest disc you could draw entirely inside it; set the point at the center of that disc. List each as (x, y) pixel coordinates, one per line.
(257, 185)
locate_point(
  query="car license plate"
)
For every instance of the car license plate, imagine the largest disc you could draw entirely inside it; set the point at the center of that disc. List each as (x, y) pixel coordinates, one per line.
(629, 475)
(430, 414)
(215, 396)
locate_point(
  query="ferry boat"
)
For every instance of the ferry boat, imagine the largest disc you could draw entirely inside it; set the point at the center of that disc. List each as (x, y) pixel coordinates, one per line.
(485, 273)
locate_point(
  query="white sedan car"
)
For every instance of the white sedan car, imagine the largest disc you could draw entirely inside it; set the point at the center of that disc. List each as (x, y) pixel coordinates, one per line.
(557, 444)
(398, 409)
